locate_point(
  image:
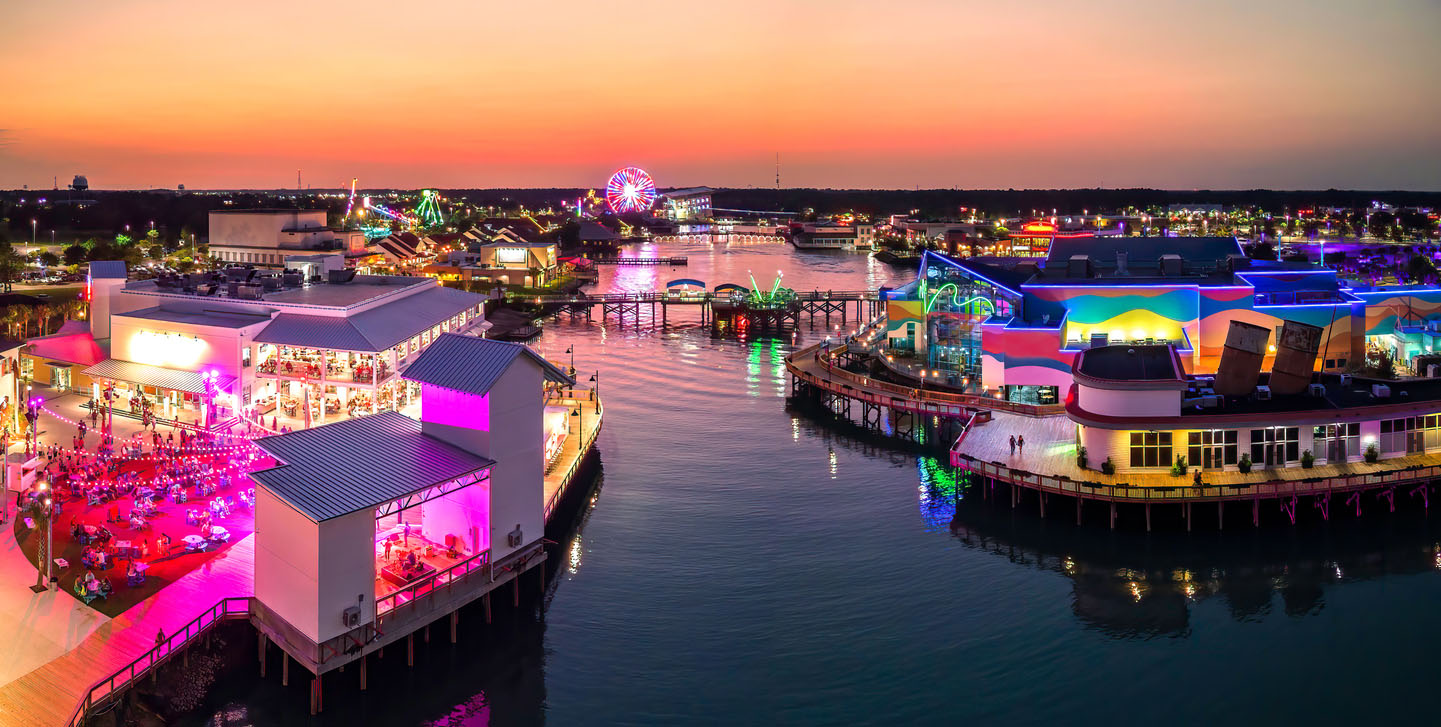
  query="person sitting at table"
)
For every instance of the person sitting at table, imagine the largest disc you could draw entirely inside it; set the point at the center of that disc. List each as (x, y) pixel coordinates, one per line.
(410, 561)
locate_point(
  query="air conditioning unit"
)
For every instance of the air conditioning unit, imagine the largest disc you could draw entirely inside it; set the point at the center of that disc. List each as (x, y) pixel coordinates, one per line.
(1381, 391)
(1212, 401)
(1263, 393)
(1100, 339)
(514, 538)
(350, 617)
(1316, 390)
(1434, 325)
(1345, 380)
(1433, 370)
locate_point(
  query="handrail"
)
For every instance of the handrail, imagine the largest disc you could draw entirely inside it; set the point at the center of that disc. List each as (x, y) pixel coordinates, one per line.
(554, 499)
(429, 584)
(1188, 492)
(929, 402)
(226, 609)
(673, 297)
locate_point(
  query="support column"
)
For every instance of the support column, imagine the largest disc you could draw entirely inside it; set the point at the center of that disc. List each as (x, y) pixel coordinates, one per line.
(515, 591)
(364, 659)
(1220, 514)
(1113, 515)
(454, 625)
(1148, 517)
(261, 650)
(1078, 510)
(486, 601)
(284, 668)
(1042, 498)
(1188, 516)
(410, 649)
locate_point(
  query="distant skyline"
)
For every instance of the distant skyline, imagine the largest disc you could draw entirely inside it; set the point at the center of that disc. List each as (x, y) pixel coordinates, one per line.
(1285, 94)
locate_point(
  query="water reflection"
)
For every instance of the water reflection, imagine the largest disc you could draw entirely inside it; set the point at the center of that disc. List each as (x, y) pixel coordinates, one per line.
(1135, 585)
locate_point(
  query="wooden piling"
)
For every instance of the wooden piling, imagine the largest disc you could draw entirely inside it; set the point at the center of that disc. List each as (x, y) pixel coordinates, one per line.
(515, 591)
(426, 637)
(1113, 516)
(454, 626)
(486, 601)
(1078, 511)
(1148, 517)
(261, 651)
(410, 649)
(284, 668)
(364, 659)
(1220, 514)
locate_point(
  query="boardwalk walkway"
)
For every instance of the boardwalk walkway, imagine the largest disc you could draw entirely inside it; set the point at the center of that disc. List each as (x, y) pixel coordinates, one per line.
(47, 695)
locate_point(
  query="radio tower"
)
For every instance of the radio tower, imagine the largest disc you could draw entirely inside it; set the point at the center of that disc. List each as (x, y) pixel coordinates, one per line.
(778, 170)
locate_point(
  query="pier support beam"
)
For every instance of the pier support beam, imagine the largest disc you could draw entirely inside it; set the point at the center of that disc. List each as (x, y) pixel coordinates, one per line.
(1113, 516)
(316, 702)
(1042, 498)
(1078, 510)
(1187, 506)
(410, 649)
(284, 668)
(486, 600)
(364, 659)
(1220, 514)
(1148, 517)
(261, 649)
(454, 626)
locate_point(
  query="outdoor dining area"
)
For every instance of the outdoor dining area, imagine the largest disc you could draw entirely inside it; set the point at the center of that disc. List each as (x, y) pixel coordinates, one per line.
(124, 526)
(403, 557)
(310, 363)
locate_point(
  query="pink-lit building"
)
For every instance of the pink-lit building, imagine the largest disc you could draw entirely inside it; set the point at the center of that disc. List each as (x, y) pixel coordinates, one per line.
(355, 514)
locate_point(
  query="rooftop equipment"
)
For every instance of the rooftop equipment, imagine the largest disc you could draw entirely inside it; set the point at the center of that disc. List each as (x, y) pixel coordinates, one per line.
(1295, 357)
(1241, 358)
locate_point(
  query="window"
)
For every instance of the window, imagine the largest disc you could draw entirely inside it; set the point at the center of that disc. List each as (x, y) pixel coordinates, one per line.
(1151, 449)
(245, 357)
(1211, 448)
(1411, 435)
(1275, 446)
(1337, 442)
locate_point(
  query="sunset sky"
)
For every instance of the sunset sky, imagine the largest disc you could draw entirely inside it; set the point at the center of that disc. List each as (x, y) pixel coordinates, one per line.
(885, 93)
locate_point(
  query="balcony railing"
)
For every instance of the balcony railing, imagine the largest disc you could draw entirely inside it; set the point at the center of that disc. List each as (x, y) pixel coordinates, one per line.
(430, 584)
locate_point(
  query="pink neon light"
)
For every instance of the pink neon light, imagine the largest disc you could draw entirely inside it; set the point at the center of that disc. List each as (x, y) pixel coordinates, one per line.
(454, 408)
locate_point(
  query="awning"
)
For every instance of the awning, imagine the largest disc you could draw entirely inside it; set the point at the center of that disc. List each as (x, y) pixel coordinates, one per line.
(156, 376)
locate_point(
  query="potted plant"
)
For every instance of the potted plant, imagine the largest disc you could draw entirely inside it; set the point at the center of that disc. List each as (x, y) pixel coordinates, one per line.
(1244, 465)
(1308, 460)
(1081, 458)
(1108, 467)
(1179, 467)
(1373, 455)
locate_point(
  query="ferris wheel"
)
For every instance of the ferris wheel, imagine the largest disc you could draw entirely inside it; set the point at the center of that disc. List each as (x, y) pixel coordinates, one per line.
(630, 190)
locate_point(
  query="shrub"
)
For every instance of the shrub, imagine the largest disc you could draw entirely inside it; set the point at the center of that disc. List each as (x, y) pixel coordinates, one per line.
(1245, 464)
(1179, 467)
(1373, 455)
(1081, 458)
(1308, 460)
(1108, 467)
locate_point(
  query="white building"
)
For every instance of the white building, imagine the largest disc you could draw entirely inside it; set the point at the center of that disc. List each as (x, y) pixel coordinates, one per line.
(299, 348)
(459, 492)
(266, 237)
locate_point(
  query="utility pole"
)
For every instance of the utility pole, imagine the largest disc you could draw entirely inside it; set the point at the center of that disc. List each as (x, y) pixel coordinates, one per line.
(778, 170)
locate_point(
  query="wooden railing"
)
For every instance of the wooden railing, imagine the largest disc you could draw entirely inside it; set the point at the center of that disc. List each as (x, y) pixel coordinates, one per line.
(227, 609)
(410, 592)
(1185, 492)
(678, 297)
(908, 398)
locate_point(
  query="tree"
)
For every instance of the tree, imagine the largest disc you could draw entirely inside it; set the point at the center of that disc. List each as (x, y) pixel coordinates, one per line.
(49, 259)
(1420, 268)
(75, 254)
(157, 252)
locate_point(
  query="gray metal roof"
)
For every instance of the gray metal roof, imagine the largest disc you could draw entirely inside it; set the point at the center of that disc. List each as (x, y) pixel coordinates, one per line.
(219, 319)
(473, 365)
(157, 376)
(373, 330)
(348, 466)
(108, 269)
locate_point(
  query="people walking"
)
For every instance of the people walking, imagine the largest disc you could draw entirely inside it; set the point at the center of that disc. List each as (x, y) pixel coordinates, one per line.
(1021, 444)
(1013, 445)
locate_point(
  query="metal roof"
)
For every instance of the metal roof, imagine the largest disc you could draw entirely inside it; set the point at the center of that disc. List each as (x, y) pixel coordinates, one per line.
(473, 365)
(108, 269)
(373, 330)
(157, 376)
(352, 465)
(219, 319)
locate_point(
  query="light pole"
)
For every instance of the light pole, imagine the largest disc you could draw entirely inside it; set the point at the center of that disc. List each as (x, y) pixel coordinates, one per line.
(33, 223)
(42, 555)
(595, 390)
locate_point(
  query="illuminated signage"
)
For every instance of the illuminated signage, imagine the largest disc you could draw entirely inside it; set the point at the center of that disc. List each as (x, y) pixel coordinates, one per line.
(510, 255)
(172, 350)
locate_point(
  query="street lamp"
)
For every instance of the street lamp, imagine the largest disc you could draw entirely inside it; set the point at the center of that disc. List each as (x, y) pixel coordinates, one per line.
(42, 555)
(33, 223)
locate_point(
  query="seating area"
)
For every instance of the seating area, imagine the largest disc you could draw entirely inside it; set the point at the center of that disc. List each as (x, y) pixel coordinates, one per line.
(401, 560)
(124, 530)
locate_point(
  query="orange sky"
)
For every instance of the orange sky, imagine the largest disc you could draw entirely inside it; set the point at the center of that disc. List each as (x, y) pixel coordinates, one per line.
(886, 93)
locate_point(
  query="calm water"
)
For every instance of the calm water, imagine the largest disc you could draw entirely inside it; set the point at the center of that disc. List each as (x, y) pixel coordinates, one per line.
(744, 564)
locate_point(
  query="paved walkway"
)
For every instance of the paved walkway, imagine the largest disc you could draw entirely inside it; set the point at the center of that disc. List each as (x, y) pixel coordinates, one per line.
(49, 694)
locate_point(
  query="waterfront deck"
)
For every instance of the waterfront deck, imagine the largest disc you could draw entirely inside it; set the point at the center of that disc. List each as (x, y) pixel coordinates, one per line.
(48, 695)
(1047, 464)
(562, 471)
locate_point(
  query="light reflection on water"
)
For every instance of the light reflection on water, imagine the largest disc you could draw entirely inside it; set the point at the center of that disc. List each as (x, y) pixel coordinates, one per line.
(747, 564)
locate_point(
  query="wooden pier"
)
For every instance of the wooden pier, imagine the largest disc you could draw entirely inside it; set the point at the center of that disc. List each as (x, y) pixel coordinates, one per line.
(66, 691)
(673, 261)
(715, 307)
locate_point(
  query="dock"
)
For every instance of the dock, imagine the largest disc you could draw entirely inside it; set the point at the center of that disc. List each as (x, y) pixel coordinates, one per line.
(676, 260)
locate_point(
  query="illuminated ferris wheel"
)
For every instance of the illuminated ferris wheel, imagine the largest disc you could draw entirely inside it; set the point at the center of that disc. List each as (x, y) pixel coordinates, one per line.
(630, 190)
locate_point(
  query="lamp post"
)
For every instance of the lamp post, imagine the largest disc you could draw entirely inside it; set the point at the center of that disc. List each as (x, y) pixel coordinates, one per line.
(42, 555)
(33, 223)
(595, 390)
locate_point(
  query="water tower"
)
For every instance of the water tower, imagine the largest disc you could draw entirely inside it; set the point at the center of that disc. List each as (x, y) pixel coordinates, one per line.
(80, 183)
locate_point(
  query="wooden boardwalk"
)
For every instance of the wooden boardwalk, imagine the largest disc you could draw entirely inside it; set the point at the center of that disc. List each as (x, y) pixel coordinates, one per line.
(48, 695)
(578, 443)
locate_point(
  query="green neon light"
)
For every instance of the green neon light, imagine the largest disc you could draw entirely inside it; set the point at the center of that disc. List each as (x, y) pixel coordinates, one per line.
(955, 295)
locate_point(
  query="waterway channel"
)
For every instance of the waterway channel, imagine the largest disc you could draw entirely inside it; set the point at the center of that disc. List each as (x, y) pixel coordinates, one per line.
(743, 563)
